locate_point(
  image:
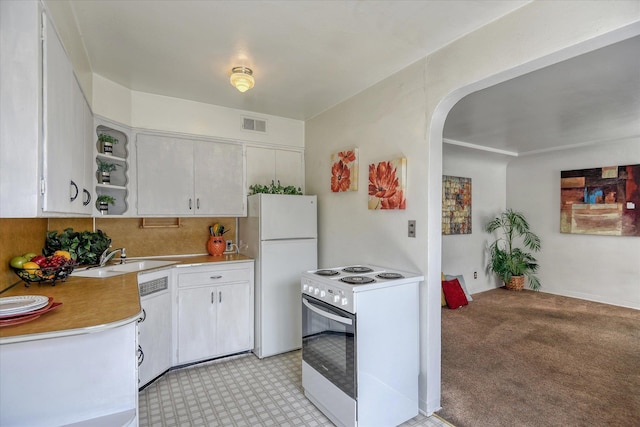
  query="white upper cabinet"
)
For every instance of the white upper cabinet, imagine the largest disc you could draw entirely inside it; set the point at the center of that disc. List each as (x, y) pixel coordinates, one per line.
(178, 176)
(66, 187)
(270, 164)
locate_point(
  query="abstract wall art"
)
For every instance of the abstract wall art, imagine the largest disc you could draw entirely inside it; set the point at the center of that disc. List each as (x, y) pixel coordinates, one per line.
(344, 171)
(601, 201)
(456, 205)
(387, 184)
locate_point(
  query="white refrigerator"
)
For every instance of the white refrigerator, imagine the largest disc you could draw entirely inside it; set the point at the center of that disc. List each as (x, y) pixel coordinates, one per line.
(281, 233)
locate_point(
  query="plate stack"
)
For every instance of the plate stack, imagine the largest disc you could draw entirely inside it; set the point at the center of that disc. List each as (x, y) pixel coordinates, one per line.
(22, 309)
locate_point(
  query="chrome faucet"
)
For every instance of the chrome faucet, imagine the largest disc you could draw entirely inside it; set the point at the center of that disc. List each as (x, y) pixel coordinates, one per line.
(106, 256)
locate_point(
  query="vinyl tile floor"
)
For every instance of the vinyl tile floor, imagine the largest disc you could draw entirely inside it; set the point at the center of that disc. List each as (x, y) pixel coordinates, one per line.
(240, 391)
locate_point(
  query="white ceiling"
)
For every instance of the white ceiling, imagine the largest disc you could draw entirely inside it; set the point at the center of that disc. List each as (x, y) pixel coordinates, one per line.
(308, 56)
(592, 98)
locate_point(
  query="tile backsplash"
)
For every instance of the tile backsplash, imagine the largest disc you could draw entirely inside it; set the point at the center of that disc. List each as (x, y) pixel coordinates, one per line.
(21, 235)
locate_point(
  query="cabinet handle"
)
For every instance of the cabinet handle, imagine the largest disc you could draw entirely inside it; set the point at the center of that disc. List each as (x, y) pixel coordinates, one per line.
(190, 202)
(198, 203)
(220, 297)
(212, 301)
(74, 187)
(144, 316)
(215, 277)
(87, 194)
(140, 355)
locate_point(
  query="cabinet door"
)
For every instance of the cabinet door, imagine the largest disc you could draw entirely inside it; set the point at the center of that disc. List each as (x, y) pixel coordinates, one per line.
(260, 166)
(59, 115)
(196, 323)
(290, 168)
(165, 176)
(219, 179)
(154, 330)
(234, 318)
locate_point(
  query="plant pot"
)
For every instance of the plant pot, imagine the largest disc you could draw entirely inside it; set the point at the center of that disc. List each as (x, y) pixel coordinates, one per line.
(107, 148)
(104, 177)
(216, 245)
(516, 283)
(103, 207)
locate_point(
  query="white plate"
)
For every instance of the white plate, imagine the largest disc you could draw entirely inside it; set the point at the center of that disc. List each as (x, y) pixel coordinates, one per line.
(21, 304)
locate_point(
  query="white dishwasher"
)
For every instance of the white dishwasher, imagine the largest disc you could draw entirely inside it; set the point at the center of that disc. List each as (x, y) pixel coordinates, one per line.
(154, 326)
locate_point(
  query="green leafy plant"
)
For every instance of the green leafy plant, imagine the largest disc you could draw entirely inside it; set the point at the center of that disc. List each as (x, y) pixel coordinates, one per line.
(106, 166)
(275, 189)
(105, 199)
(85, 247)
(103, 137)
(508, 261)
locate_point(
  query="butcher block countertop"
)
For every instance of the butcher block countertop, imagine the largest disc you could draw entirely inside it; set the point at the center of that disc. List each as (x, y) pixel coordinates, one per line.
(90, 304)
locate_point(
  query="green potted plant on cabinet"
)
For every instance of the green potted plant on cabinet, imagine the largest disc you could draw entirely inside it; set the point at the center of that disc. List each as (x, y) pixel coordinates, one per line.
(512, 264)
(106, 143)
(104, 171)
(103, 201)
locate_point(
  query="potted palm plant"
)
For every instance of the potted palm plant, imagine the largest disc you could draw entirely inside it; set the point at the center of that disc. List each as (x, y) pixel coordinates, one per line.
(512, 264)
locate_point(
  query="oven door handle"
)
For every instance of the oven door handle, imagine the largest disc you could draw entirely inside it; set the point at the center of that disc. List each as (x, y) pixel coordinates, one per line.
(326, 314)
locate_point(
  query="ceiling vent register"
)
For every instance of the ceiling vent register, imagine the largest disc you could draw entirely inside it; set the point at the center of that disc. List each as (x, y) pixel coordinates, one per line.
(254, 125)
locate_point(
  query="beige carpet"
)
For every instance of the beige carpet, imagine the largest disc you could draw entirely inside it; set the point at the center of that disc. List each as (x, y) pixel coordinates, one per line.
(535, 359)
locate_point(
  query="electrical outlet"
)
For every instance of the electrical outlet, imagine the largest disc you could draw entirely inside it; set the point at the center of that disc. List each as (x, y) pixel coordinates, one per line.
(412, 228)
(229, 246)
(475, 274)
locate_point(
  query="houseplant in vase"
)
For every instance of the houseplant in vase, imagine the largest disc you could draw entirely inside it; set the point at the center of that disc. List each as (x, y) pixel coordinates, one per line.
(512, 264)
(106, 143)
(103, 201)
(104, 171)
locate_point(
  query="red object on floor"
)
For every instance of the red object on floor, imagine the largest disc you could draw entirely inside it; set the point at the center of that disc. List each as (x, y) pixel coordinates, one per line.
(453, 294)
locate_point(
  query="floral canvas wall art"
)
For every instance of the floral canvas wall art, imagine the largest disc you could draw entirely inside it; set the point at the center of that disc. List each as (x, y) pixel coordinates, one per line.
(456, 205)
(603, 201)
(344, 171)
(387, 184)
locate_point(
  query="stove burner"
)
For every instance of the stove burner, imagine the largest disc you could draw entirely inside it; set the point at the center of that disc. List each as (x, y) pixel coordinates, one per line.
(390, 276)
(357, 280)
(357, 269)
(327, 272)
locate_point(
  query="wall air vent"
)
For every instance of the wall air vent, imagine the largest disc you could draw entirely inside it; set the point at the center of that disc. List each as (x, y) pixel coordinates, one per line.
(254, 125)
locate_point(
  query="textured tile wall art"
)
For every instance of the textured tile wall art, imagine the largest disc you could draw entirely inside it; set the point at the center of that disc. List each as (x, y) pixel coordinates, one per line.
(344, 171)
(387, 184)
(601, 201)
(456, 205)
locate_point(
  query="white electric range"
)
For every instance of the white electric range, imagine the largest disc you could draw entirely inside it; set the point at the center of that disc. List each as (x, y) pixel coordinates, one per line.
(360, 343)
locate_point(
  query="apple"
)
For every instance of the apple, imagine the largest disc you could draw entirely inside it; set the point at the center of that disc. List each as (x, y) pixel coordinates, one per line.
(38, 259)
(18, 261)
(29, 256)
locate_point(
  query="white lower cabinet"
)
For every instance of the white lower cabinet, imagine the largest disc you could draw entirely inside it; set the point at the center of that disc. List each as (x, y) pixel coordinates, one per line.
(215, 311)
(88, 379)
(154, 337)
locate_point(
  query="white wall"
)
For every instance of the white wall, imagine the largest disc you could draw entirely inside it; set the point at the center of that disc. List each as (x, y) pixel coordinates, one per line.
(406, 113)
(597, 268)
(466, 253)
(156, 112)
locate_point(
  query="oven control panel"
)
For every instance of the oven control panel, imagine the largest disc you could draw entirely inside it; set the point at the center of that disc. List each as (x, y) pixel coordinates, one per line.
(330, 294)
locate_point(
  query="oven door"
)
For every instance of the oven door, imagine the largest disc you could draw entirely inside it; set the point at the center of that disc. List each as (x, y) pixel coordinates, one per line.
(329, 343)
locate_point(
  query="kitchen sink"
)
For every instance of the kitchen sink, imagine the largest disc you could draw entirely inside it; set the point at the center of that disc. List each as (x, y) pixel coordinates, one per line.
(111, 270)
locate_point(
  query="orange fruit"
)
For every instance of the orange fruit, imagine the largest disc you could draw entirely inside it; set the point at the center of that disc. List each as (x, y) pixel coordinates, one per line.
(31, 268)
(64, 254)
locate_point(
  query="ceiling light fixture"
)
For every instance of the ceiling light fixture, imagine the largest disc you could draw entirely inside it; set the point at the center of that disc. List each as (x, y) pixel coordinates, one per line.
(242, 78)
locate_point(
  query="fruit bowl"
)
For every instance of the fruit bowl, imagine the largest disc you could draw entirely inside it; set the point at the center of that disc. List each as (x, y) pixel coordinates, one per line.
(45, 274)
